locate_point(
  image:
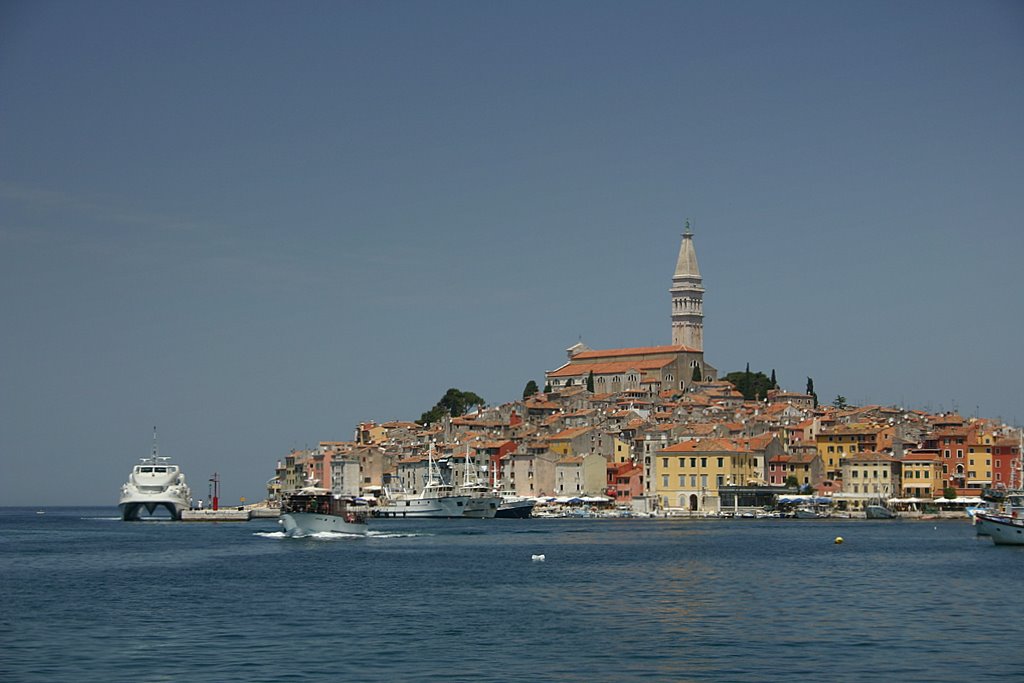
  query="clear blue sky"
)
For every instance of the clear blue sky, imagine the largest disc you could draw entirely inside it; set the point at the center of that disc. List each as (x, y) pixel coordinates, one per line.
(255, 224)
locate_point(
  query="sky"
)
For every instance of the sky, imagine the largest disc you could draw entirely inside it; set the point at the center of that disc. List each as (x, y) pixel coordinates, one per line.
(256, 224)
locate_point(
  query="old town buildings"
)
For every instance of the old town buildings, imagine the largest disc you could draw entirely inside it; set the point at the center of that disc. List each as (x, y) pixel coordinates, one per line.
(654, 429)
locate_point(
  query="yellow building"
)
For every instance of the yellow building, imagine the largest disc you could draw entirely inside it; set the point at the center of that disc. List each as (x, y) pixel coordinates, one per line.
(691, 474)
(572, 441)
(922, 474)
(979, 460)
(839, 441)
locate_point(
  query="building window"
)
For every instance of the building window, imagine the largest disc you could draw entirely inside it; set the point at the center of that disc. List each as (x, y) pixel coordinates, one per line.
(664, 481)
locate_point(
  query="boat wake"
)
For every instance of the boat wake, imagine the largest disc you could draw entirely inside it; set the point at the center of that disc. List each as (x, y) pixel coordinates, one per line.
(336, 536)
(316, 536)
(393, 534)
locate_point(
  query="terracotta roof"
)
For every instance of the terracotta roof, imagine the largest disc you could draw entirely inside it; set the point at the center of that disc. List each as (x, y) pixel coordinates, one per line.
(761, 441)
(638, 351)
(706, 446)
(870, 457)
(570, 433)
(609, 368)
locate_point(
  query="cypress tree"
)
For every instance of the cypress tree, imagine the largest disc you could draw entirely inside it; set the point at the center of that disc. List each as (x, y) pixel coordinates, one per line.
(531, 389)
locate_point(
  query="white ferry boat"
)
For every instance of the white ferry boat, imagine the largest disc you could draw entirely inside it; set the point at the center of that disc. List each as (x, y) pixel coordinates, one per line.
(154, 483)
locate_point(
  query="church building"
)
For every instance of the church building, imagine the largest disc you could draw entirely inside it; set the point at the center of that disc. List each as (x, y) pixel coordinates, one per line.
(651, 368)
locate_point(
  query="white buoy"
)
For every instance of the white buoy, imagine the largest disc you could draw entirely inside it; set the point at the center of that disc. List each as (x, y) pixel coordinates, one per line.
(537, 558)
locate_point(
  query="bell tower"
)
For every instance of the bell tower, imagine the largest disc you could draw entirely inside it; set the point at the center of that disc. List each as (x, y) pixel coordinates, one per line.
(687, 297)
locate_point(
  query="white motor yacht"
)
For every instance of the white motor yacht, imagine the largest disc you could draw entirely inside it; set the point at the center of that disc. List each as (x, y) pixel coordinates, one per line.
(154, 483)
(437, 499)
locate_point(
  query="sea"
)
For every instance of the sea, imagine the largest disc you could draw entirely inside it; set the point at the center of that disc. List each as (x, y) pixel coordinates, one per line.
(87, 597)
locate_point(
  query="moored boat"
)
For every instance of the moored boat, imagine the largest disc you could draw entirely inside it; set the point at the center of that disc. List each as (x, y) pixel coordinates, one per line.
(313, 510)
(879, 511)
(515, 507)
(1012, 505)
(437, 499)
(482, 504)
(1004, 530)
(154, 484)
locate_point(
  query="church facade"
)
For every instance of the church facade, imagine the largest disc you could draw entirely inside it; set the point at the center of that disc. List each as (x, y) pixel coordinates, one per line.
(650, 369)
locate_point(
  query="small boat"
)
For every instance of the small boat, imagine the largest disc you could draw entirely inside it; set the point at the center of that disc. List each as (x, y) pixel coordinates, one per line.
(313, 510)
(1004, 530)
(878, 510)
(812, 512)
(153, 484)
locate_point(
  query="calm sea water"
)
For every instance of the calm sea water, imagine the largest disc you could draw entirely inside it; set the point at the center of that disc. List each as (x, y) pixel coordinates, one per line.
(86, 597)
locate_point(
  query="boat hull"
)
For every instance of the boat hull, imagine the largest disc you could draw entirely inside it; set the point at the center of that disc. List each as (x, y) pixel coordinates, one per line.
(131, 510)
(445, 507)
(879, 512)
(484, 507)
(522, 509)
(304, 523)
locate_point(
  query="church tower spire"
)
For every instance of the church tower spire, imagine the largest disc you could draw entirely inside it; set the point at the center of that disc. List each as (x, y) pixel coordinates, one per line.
(687, 297)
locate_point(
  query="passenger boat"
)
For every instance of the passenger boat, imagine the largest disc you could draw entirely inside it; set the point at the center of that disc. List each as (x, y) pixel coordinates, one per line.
(153, 484)
(313, 510)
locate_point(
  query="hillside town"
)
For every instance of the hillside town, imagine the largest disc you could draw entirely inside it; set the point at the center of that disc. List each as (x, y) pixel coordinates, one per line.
(700, 451)
(654, 431)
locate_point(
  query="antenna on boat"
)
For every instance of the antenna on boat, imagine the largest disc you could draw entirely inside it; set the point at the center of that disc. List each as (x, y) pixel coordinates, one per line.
(155, 450)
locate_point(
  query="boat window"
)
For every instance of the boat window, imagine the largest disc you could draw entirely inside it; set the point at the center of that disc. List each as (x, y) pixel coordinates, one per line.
(145, 469)
(159, 469)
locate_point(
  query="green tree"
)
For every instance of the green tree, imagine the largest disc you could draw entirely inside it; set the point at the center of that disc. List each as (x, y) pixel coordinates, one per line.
(547, 388)
(949, 493)
(590, 382)
(455, 402)
(752, 385)
(792, 482)
(531, 389)
(839, 402)
(695, 377)
(775, 384)
(810, 391)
